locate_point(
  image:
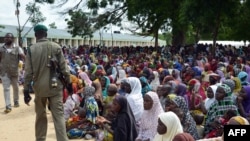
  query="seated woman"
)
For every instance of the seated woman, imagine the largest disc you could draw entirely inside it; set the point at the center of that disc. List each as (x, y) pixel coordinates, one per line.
(123, 128)
(71, 104)
(169, 126)
(243, 102)
(152, 108)
(187, 120)
(223, 103)
(134, 96)
(87, 114)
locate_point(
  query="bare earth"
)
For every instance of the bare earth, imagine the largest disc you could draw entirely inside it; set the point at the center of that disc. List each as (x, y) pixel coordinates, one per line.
(19, 124)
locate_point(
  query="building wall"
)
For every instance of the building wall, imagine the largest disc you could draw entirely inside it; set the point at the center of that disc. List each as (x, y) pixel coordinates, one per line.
(77, 42)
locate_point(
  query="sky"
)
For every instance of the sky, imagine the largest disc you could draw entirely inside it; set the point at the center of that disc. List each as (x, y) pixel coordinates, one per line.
(8, 17)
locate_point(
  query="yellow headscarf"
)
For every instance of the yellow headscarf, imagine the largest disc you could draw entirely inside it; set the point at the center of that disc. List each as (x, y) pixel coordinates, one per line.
(241, 120)
(237, 84)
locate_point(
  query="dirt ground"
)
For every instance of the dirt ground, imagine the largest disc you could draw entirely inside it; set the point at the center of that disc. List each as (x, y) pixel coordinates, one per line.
(19, 124)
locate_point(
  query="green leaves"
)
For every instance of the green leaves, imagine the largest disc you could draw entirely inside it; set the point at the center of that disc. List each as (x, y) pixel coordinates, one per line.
(80, 24)
(36, 15)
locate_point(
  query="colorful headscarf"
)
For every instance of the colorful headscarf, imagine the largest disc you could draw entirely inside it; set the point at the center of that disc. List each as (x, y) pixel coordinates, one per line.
(243, 76)
(105, 88)
(84, 76)
(241, 120)
(230, 83)
(147, 87)
(90, 106)
(188, 121)
(237, 84)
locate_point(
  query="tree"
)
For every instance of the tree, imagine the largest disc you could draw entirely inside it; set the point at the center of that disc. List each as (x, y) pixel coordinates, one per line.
(80, 24)
(241, 23)
(149, 16)
(35, 16)
(209, 17)
(53, 25)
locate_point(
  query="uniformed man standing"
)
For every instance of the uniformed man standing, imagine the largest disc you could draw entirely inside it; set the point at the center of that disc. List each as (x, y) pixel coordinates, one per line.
(9, 71)
(47, 87)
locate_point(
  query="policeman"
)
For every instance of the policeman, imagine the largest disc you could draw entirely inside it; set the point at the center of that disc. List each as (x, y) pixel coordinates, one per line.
(47, 87)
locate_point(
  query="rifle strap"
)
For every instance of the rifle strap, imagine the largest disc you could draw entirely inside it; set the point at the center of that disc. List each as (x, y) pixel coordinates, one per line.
(28, 49)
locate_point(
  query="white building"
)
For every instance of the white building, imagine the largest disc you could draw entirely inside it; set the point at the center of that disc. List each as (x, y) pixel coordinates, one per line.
(64, 38)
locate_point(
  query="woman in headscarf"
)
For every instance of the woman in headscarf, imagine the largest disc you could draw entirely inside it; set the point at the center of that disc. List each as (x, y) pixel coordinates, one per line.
(105, 81)
(205, 75)
(89, 104)
(133, 89)
(169, 125)
(152, 108)
(195, 94)
(156, 81)
(167, 78)
(176, 75)
(211, 90)
(243, 76)
(243, 101)
(145, 85)
(84, 76)
(122, 75)
(237, 85)
(92, 68)
(162, 73)
(223, 103)
(181, 89)
(247, 69)
(123, 128)
(187, 121)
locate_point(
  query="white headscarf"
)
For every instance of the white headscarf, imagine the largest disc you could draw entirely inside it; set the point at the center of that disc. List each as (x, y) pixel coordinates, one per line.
(122, 75)
(148, 126)
(209, 101)
(173, 124)
(156, 81)
(135, 97)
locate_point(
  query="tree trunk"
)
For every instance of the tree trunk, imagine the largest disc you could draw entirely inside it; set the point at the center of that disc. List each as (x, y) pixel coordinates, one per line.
(178, 38)
(156, 38)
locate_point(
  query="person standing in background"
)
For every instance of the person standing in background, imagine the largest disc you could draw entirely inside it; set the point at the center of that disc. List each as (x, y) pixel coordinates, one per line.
(47, 86)
(9, 71)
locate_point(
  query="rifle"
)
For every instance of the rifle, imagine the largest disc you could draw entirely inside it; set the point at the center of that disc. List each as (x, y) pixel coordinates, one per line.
(55, 67)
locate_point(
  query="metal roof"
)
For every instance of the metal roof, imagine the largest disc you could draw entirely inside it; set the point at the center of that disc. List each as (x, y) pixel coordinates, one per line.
(64, 34)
